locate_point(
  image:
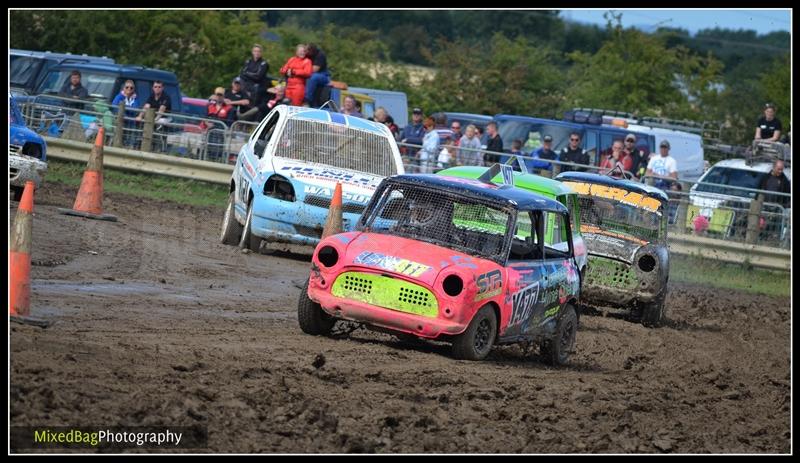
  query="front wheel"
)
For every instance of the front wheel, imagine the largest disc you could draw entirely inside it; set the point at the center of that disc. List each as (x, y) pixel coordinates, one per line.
(477, 340)
(248, 240)
(312, 319)
(654, 313)
(231, 228)
(556, 350)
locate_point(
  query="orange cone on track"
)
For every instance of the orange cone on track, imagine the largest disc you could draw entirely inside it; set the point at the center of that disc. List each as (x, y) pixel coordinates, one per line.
(19, 257)
(89, 202)
(334, 223)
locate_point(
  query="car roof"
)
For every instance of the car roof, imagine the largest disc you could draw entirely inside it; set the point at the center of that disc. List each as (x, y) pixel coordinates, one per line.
(58, 56)
(614, 182)
(531, 182)
(126, 70)
(665, 133)
(471, 116)
(759, 166)
(519, 198)
(513, 117)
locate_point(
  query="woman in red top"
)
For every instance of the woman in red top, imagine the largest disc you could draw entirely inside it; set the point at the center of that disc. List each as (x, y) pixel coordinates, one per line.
(616, 158)
(297, 70)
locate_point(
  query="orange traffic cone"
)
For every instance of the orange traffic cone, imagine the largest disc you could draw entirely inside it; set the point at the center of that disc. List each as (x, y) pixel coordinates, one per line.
(334, 223)
(19, 257)
(89, 202)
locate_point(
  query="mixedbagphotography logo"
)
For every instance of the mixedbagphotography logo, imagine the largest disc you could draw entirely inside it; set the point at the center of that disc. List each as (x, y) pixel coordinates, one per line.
(104, 437)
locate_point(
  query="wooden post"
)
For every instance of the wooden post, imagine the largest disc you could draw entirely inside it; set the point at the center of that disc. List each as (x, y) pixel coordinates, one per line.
(119, 125)
(752, 233)
(147, 132)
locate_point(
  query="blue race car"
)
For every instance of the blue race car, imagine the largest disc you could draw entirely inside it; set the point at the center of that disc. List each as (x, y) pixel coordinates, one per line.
(27, 152)
(285, 175)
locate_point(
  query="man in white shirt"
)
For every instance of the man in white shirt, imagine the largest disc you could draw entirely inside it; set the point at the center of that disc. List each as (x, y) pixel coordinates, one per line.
(663, 166)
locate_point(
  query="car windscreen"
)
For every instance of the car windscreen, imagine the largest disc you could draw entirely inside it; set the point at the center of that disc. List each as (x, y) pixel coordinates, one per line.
(459, 222)
(23, 69)
(97, 84)
(615, 211)
(734, 177)
(337, 145)
(532, 134)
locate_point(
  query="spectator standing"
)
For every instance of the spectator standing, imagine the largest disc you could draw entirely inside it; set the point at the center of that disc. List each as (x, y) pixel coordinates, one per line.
(616, 158)
(297, 70)
(768, 127)
(320, 76)
(544, 152)
(278, 99)
(663, 166)
(637, 156)
(160, 101)
(445, 134)
(74, 89)
(128, 95)
(574, 153)
(220, 110)
(516, 150)
(469, 147)
(429, 153)
(455, 126)
(239, 98)
(412, 134)
(778, 183)
(495, 143)
(383, 117)
(254, 75)
(349, 107)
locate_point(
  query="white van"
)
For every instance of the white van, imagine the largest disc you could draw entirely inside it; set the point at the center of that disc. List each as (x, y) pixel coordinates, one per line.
(685, 147)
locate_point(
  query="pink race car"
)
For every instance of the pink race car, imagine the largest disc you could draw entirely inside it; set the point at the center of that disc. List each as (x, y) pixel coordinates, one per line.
(454, 259)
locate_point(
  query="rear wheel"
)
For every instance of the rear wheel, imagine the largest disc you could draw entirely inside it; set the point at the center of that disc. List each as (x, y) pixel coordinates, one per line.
(312, 319)
(248, 240)
(231, 228)
(477, 340)
(556, 350)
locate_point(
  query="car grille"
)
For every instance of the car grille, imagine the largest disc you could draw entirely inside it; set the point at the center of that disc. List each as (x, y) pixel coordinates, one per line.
(325, 203)
(14, 149)
(609, 273)
(387, 292)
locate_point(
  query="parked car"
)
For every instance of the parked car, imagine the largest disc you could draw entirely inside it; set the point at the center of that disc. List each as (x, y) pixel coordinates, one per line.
(28, 67)
(624, 224)
(452, 259)
(27, 152)
(285, 175)
(685, 147)
(546, 187)
(104, 81)
(726, 207)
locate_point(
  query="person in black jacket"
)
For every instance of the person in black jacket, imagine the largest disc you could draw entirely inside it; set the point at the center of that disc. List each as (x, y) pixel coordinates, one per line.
(495, 143)
(573, 153)
(778, 183)
(254, 76)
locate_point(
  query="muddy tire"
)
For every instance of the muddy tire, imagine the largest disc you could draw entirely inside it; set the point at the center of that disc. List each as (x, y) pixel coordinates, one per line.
(556, 351)
(248, 240)
(477, 340)
(312, 319)
(655, 313)
(17, 193)
(231, 228)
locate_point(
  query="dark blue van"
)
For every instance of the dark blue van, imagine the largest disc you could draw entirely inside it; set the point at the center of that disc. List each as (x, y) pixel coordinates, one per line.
(28, 67)
(104, 81)
(597, 139)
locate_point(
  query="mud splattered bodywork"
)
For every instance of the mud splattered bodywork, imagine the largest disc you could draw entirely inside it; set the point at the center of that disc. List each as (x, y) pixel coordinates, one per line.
(431, 254)
(624, 227)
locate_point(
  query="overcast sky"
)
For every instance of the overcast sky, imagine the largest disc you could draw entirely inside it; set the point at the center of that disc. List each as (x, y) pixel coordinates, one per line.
(762, 21)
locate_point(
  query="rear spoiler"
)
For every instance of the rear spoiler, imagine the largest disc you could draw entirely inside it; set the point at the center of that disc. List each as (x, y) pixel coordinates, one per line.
(507, 171)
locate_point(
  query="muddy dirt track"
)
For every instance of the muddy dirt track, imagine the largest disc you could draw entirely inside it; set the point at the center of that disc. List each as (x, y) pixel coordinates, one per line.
(159, 324)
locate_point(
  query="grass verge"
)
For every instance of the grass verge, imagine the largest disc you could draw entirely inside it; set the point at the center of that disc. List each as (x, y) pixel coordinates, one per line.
(184, 191)
(725, 275)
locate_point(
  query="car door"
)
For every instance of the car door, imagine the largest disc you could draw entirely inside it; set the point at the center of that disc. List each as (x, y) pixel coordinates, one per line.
(560, 269)
(526, 275)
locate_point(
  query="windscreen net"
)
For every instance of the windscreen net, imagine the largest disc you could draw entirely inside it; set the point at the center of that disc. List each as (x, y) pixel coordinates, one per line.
(459, 222)
(337, 145)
